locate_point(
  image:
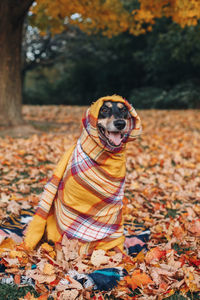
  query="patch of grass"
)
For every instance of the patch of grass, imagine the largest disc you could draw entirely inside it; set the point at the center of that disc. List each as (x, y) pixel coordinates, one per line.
(24, 174)
(42, 174)
(171, 213)
(135, 293)
(177, 201)
(194, 296)
(16, 179)
(44, 162)
(13, 292)
(36, 190)
(179, 249)
(190, 295)
(176, 296)
(173, 163)
(44, 126)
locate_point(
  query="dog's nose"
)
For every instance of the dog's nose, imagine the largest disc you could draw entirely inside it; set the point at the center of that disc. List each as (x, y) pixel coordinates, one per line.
(119, 124)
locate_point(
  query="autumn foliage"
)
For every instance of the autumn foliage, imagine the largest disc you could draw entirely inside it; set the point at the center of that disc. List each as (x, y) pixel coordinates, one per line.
(183, 12)
(111, 16)
(91, 16)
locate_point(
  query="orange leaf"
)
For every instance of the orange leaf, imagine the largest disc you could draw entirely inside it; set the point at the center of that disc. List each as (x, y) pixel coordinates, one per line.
(138, 279)
(48, 269)
(154, 253)
(139, 257)
(43, 297)
(194, 261)
(195, 227)
(178, 232)
(29, 296)
(17, 279)
(7, 244)
(163, 286)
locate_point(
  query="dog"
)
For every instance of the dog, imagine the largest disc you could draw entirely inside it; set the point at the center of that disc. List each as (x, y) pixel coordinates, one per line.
(84, 198)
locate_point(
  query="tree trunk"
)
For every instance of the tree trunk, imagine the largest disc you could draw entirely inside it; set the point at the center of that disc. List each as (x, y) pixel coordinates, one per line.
(12, 14)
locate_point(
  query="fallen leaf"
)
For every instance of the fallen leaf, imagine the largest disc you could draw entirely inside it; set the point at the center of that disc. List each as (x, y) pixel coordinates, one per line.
(194, 227)
(70, 248)
(7, 243)
(48, 269)
(99, 258)
(14, 207)
(69, 295)
(138, 279)
(154, 254)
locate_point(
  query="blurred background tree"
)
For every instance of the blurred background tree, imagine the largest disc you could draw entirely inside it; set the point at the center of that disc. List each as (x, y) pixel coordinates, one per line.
(147, 51)
(157, 70)
(150, 55)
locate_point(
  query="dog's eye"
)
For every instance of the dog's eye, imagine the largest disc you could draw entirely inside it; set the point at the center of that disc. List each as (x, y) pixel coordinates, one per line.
(105, 109)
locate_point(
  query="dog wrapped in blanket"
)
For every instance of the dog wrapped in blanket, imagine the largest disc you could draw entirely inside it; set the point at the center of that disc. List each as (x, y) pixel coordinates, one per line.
(84, 197)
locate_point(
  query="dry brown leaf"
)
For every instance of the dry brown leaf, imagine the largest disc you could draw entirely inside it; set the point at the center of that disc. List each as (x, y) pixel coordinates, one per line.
(68, 283)
(70, 248)
(99, 258)
(69, 295)
(48, 269)
(14, 207)
(11, 261)
(41, 278)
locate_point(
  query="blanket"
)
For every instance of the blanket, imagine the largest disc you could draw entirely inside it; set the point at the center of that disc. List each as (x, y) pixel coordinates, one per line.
(84, 197)
(14, 225)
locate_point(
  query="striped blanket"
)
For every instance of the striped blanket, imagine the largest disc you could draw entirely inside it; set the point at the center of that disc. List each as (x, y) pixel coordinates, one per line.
(14, 225)
(83, 199)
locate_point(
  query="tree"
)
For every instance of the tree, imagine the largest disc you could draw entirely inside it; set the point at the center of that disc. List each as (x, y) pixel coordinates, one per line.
(12, 14)
(107, 16)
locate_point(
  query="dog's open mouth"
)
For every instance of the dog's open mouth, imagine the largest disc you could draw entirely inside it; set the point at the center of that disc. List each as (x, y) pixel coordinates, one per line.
(114, 138)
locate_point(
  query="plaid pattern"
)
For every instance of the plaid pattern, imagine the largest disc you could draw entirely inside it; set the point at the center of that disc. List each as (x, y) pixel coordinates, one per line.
(100, 220)
(85, 193)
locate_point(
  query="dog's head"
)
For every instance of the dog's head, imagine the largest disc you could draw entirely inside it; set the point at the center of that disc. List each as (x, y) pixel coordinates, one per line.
(112, 122)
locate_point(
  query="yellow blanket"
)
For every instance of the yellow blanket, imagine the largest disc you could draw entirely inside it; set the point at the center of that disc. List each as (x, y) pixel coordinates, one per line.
(83, 199)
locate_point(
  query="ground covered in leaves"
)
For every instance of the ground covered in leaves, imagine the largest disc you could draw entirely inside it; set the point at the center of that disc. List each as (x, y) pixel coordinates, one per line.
(162, 192)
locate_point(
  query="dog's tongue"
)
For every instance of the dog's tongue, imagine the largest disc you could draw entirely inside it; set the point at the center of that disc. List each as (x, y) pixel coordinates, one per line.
(115, 138)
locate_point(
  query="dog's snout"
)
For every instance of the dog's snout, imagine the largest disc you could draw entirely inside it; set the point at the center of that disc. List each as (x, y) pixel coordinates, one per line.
(119, 124)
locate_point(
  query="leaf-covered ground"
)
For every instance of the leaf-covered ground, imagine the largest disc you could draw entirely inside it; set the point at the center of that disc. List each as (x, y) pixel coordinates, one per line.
(162, 191)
